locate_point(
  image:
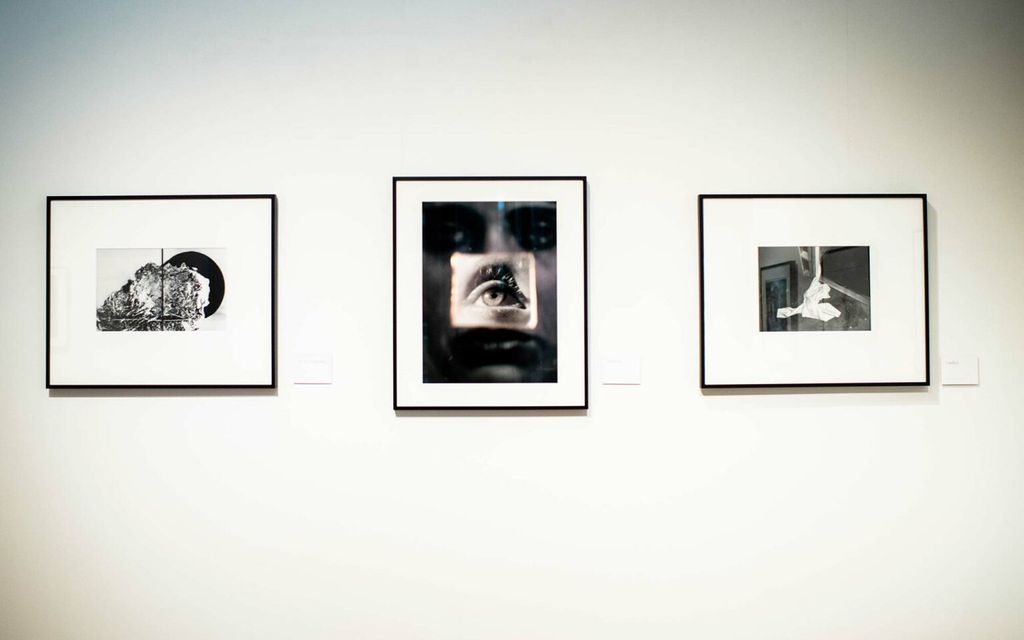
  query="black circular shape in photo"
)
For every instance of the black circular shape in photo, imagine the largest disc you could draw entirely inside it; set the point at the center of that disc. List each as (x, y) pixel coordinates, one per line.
(207, 268)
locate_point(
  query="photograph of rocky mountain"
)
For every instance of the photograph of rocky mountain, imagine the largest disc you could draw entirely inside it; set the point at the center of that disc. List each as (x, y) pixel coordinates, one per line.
(159, 290)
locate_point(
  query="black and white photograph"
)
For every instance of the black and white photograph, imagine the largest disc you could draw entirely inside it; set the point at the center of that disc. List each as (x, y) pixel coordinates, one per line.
(813, 290)
(161, 291)
(490, 292)
(495, 265)
(808, 288)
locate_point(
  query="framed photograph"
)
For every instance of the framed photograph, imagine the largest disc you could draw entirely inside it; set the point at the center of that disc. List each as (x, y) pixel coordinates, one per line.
(161, 291)
(813, 290)
(490, 293)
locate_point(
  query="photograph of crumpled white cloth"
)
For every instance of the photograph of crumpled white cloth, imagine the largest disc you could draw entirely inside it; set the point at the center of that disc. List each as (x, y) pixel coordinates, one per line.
(812, 306)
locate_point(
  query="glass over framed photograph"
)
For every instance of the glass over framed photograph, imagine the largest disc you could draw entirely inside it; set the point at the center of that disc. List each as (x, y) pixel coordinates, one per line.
(161, 291)
(490, 298)
(813, 290)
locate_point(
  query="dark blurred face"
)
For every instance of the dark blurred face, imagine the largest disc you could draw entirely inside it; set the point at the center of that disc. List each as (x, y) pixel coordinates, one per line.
(489, 292)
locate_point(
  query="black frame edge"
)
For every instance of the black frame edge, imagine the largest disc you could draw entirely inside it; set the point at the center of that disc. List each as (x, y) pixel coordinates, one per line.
(586, 297)
(394, 293)
(927, 294)
(700, 283)
(49, 199)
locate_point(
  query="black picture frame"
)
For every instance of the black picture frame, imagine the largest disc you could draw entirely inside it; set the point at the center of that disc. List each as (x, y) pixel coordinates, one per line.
(268, 373)
(917, 209)
(448, 185)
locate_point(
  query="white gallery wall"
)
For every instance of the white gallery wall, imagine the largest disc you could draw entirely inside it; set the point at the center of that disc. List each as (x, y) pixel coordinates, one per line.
(317, 512)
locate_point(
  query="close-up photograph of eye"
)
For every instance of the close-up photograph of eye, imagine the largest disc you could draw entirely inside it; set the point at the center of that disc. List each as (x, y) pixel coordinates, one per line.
(494, 290)
(489, 292)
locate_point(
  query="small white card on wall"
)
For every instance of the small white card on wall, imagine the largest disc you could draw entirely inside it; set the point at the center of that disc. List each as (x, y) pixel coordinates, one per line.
(621, 369)
(960, 370)
(314, 368)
